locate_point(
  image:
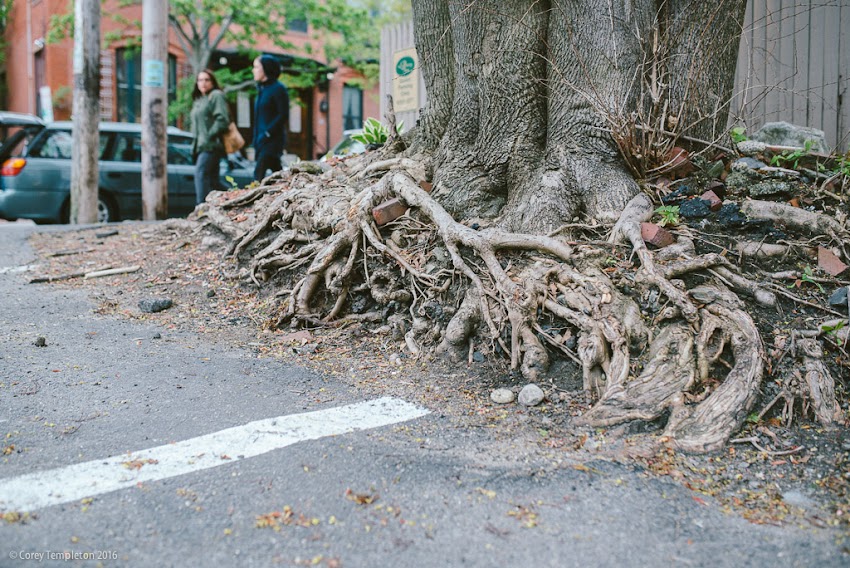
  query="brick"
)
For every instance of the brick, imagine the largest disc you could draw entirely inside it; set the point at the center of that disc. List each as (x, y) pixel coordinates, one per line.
(654, 235)
(718, 187)
(829, 263)
(389, 211)
(714, 202)
(679, 161)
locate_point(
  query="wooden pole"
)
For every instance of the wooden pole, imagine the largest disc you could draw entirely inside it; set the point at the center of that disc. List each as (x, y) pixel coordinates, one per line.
(154, 109)
(85, 148)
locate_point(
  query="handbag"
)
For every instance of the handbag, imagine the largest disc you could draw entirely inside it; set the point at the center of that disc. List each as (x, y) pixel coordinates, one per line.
(232, 139)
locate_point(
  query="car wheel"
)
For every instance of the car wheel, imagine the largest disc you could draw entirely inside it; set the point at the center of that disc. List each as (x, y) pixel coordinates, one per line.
(107, 211)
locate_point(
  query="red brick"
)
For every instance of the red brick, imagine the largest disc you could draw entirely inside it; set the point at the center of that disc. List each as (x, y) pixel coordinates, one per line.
(389, 211)
(714, 202)
(655, 235)
(718, 187)
(829, 263)
(679, 162)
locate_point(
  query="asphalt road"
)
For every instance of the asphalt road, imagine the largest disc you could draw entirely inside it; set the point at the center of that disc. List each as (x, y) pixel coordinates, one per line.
(103, 388)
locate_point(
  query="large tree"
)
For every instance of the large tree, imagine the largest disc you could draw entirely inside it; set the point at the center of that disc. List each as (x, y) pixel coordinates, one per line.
(540, 115)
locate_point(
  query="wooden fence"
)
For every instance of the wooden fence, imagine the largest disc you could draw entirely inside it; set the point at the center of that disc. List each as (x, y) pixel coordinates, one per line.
(793, 65)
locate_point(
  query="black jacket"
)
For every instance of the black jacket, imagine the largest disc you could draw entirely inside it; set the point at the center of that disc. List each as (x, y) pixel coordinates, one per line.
(271, 114)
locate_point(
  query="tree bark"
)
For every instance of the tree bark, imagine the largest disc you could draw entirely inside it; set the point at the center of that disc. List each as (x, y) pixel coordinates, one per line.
(86, 104)
(523, 97)
(154, 113)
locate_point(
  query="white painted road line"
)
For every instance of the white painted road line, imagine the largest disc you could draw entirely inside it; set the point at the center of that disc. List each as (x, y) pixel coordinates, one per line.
(74, 482)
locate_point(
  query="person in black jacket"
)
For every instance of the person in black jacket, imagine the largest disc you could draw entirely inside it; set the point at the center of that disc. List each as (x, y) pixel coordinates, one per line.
(271, 113)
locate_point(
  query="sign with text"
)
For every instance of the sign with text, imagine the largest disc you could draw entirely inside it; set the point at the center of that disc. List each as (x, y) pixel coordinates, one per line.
(154, 73)
(405, 80)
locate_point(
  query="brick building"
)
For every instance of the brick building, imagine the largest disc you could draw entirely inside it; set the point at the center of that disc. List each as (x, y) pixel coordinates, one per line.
(38, 76)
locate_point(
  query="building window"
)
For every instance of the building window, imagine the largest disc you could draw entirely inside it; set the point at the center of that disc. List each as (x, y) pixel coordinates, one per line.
(129, 75)
(296, 17)
(352, 107)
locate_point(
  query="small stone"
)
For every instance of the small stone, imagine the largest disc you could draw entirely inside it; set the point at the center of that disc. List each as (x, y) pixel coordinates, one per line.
(156, 335)
(104, 234)
(839, 298)
(40, 342)
(771, 188)
(715, 169)
(502, 396)
(154, 305)
(751, 147)
(748, 163)
(829, 263)
(478, 357)
(655, 235)
(695, 209)
(531, 395)
(730, 216)
(713, 200)
(210, 293)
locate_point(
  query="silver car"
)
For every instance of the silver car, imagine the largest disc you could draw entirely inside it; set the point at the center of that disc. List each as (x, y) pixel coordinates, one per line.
(36, 183)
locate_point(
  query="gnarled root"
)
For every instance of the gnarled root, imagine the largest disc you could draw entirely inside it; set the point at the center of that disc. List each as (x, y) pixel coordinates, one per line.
(708, 425)
(819, 385)
(668, 373)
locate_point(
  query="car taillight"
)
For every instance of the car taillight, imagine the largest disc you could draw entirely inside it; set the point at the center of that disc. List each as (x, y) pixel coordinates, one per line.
(12, 166)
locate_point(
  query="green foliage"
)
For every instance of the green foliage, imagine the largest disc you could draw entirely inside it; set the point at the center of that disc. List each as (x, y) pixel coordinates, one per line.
(375, 133)
(738, 134)
(5, 10)
(844, 166)
(791, 158)
(834, 329)
(808, 276)
(669, 215)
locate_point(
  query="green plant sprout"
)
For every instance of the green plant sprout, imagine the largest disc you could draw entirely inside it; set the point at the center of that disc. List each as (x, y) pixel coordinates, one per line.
(808, 276)
(738, 134)
(669, 215)
(792, 158)
(375, 133)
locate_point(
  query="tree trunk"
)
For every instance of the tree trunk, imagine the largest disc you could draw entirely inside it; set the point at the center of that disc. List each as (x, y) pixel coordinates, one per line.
(523, 97)
(86, 138)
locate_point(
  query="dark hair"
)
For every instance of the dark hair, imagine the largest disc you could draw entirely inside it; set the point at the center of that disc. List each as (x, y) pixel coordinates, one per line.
(196, 92)
(271, 67)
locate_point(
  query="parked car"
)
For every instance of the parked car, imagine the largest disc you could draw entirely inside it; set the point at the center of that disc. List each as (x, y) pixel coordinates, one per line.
(36, 182)
(347, 146)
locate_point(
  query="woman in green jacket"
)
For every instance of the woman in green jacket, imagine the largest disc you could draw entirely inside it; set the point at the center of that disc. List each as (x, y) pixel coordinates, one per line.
(210, 119)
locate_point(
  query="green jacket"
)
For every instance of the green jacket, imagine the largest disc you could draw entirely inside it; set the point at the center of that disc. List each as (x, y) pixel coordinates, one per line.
(210, 119)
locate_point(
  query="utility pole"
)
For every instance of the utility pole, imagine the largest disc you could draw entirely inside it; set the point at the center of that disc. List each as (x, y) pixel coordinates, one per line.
(85, 149)
(154, 109)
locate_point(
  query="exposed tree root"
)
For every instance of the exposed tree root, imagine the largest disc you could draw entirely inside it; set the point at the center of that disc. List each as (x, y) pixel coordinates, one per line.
(799, 219)
(649, 345)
